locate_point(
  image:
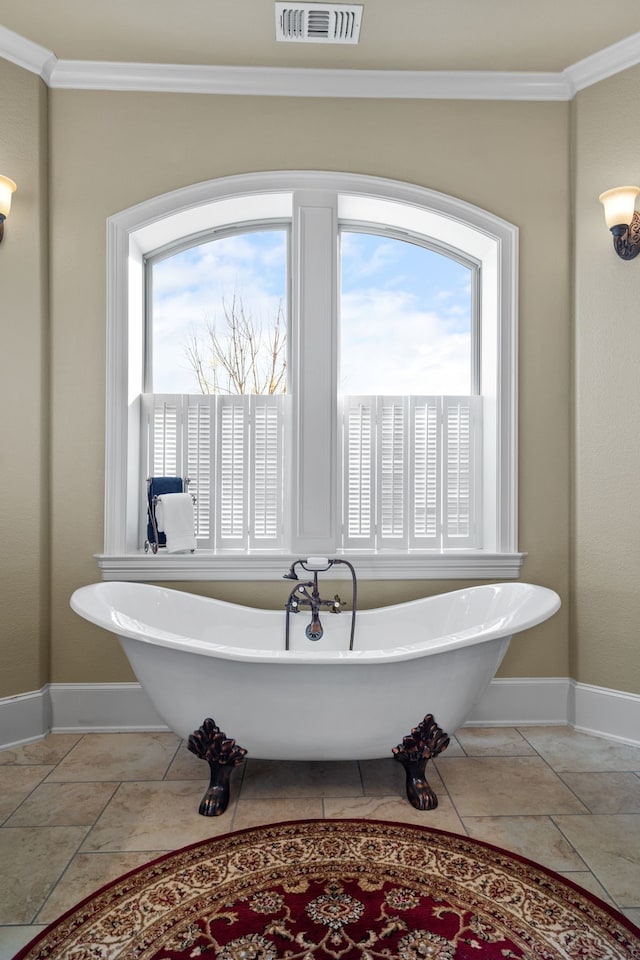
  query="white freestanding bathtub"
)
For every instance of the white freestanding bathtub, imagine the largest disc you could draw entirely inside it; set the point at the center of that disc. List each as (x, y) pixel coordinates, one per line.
(198, 658)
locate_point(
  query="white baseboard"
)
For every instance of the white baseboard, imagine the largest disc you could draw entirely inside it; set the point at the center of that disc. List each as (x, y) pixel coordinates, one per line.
(76, 708)
(524, 700)
(125, 707)
(598, 709)
(24, 718)
(102, 707)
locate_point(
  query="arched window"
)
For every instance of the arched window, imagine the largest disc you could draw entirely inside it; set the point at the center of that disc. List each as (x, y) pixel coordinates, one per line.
(331, 360)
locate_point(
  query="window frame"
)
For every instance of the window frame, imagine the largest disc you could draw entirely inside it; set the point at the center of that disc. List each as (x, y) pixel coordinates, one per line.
(161, 221)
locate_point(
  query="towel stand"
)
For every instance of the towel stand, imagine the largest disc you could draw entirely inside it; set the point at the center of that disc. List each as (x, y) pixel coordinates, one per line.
(156, 487)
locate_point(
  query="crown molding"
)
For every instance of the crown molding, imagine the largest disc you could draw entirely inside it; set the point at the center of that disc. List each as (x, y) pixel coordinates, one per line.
(614, 59)
(290, 82)
(26, 54)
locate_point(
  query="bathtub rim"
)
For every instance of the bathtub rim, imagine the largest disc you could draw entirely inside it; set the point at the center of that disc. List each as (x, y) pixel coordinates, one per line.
(103, 614)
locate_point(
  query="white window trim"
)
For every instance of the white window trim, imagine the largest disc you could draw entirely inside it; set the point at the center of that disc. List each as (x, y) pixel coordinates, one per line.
(135, 232)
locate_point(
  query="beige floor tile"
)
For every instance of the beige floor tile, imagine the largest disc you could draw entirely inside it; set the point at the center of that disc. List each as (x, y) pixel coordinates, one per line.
(51, 749)
(565, 749)
(505, 786)
(32, 861)
(186, 766)
(504, 793)
(537, 838)
(160, 815)
(118, 756)
(606, 792)
(16, 783)
(86, 873)
(280, 778)
(634, 916)
(454, 749)
(587, 880)
(254, 813)
(63, 804)
(610, 846)
(384, 778)
(494, 742)
(395, 809)
(14, 938)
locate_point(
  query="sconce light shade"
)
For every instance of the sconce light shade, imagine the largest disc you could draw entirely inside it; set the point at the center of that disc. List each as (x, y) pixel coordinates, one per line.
(619, 205)
(7, 188)
(623, 220)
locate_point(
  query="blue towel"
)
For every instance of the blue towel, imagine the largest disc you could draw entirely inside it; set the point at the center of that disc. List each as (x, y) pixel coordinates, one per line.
(155, 488)
(160, 485)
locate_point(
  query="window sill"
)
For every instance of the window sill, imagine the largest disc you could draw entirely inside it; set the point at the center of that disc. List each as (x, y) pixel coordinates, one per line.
(203, 565)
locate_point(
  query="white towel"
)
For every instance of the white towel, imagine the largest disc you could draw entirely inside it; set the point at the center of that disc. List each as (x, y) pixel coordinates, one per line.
(174, 516)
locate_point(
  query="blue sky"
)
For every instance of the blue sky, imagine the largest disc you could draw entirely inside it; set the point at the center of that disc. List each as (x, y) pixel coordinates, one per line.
(405, 310)
(405, 318)
(190, 287)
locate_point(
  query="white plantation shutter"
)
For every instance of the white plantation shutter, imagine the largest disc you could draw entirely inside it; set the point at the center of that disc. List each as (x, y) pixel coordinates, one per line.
(425, 484)
(358, 472)
(231, 449)
(267, 475)
(411, 468)
(199, 462)
(461, 435)
(424, 491)
(231, 456)
(393, 472)
(164, 438)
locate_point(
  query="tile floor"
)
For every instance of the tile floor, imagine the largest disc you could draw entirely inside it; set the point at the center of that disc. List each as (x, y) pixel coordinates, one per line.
(79, 810)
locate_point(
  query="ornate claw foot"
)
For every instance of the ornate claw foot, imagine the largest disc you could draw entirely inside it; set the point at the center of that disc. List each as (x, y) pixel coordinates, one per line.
(222, 755)
(424, 743)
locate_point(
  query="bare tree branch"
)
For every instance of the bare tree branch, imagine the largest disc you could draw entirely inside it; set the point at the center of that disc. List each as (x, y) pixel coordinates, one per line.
(248, 362)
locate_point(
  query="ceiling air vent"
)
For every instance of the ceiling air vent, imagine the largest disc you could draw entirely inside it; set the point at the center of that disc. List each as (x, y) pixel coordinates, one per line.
(318, 22)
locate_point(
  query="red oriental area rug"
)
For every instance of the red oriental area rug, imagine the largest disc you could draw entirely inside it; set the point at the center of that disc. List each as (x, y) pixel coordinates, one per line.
(341, 889)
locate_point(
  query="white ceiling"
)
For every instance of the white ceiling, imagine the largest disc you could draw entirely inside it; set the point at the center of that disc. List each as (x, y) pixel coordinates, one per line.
(422, 35)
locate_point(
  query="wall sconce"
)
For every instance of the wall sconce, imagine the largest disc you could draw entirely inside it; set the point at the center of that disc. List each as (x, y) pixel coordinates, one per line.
(623, 220)
(7, 187)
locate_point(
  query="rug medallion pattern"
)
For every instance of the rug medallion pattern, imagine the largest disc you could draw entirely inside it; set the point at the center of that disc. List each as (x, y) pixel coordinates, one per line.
(339, 890)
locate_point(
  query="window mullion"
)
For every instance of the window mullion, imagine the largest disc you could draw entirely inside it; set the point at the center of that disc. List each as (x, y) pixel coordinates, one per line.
(314, 378)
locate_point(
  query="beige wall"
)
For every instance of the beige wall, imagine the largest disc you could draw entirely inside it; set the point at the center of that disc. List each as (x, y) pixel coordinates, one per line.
(24, 386)
(112, 150)
(606, 561)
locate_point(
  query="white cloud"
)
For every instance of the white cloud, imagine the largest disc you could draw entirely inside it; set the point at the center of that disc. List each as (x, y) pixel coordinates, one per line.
(389, 346)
